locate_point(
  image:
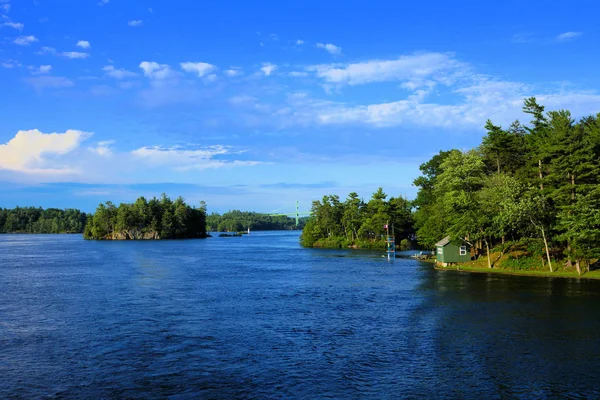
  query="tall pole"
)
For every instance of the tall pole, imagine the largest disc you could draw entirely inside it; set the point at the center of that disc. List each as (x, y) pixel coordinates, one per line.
(297, 215)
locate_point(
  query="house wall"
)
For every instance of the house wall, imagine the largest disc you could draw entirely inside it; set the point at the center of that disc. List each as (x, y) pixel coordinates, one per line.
(451, 254)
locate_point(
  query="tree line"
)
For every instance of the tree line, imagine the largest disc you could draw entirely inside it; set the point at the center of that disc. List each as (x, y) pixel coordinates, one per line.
(534, 187)
(356, 223)
(147, 219)
(236, 221)
(38, 220)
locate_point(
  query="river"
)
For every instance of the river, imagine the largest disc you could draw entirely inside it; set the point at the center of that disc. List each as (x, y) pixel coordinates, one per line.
(260, 317)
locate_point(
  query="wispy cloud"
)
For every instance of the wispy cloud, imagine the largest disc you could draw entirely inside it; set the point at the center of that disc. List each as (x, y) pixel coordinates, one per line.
(417, 69)
(74, 54)
(25, 40)
(268, 68)
(84, 44)
(185, 159)
(103, 148)
(523, 38)
(331, 48)
(136, 22)
(53, 82)
(103, 2)
(15, 25)
(233, 71)
(117, 73)
(42, 69)
(567, 36)
(299, 42)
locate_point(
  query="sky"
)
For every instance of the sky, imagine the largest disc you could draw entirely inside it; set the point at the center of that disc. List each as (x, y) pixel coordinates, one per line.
(257, 105)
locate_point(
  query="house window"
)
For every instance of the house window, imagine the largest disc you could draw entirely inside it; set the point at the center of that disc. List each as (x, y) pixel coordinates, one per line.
(463, 250)
(440, 251)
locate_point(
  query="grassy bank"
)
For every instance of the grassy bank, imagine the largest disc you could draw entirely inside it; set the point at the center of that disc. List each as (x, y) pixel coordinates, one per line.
(517, 262)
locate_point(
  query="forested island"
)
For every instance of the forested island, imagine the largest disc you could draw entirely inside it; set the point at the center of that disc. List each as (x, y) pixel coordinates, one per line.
(355, 223)
(38, 220)
(528, 198)
(236, 221)
(147, 219)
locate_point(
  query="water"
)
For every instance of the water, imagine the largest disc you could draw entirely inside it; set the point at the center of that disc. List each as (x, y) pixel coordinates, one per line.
(259, 317)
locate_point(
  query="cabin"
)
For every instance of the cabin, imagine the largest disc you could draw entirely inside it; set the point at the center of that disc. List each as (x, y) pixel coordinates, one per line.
(448, 253)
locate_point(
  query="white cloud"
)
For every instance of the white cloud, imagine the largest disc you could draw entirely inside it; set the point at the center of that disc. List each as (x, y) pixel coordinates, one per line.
(199, 68)
(522, 38)
(268, 68)
(103, 148)
(154, 70)
(419, 68)
(242, 99)
(74, 54)
(25, 40)
(27, 151)
(118, 73)
(5, 7)
(10, 63)
(47, 50)
(299, 42)
(103, 2)
(183, 159)
(42, 82)
(84, 44)
(43, 69)
(298, 74)
(331, 48)
(233, 71)
(15, 25)
(563, 37)
(136, 22)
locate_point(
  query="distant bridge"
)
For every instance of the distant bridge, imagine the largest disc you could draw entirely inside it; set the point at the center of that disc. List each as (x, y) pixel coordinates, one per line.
(297, 214)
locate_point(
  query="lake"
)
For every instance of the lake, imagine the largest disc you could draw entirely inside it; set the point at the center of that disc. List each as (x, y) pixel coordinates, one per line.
(260, 317)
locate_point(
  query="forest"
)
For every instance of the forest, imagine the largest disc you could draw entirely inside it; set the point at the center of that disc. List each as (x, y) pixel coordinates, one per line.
(358, 224)
(532, 190)
(154, 219)
(236, 221)
(38, 220)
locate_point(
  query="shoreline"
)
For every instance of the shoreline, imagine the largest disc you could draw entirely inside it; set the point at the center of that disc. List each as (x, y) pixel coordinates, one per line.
(533, 274)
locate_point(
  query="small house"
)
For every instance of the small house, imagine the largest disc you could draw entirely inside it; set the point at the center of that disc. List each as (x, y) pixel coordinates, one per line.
(448, 253)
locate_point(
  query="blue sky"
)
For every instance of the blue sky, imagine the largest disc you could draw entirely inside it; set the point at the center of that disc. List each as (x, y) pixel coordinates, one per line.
(254, 105)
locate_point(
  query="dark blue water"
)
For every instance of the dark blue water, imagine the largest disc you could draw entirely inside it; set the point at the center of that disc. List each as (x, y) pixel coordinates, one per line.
(259, 317)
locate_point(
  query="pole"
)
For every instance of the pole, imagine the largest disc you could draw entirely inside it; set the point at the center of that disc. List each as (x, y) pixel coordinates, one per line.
(297, 215)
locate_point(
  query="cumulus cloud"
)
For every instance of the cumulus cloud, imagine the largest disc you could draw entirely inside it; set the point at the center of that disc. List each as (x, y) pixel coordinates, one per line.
(331, 48)
(564, 37)
(118, 73)
(136, 22)
(199, 68)
(25, 40)
(154, 70)
(31, 151)
(84, 44)
(268, 68)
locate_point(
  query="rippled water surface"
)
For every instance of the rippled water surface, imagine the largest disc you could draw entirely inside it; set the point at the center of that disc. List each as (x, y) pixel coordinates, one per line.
(259, 317)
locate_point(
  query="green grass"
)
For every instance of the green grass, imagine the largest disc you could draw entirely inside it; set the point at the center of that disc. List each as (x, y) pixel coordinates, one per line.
(475, 266)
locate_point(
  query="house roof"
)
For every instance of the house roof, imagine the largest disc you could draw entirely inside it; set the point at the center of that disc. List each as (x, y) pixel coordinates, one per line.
(443, 242)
